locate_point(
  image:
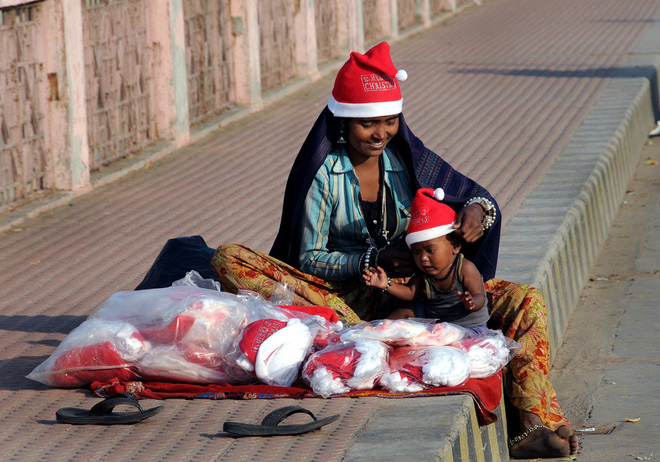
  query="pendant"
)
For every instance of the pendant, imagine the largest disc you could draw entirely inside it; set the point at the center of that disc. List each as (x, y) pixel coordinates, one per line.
(382, 241)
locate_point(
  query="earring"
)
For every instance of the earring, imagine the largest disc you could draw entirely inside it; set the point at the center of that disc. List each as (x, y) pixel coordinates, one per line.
(341, 139)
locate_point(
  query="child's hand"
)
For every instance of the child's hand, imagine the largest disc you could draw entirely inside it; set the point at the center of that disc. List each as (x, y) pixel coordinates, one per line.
(468, 301)
(375, 277)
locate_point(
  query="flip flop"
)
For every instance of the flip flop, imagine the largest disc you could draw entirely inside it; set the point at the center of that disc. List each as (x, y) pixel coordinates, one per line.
(270, 426)
(102, 413)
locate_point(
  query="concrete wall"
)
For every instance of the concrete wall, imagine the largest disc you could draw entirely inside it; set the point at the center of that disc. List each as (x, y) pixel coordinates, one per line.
(107, 80)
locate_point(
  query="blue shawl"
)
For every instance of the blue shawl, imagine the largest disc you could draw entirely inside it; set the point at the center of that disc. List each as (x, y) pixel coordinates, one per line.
(430, 171)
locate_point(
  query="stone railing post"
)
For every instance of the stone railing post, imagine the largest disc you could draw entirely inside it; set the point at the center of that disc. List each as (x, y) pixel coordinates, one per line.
(74, 173)
(356, 25)
(253, 51)
(306, 47)
(170, 80)
(425, 11)
(394, 18)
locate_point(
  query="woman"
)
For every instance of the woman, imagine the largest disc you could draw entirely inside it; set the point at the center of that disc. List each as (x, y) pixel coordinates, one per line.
(346, 208)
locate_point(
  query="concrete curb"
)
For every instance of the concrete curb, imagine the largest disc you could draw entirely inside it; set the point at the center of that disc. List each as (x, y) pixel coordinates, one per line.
(562, 225)
(449, 433)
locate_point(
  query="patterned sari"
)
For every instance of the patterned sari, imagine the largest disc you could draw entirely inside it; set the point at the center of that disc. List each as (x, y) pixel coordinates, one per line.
(516, 309)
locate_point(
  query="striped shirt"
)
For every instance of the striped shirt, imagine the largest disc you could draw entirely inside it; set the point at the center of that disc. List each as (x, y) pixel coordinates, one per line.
(334, 233)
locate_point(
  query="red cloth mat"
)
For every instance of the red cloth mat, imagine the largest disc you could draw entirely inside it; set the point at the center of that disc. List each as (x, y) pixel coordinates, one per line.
(487, 392)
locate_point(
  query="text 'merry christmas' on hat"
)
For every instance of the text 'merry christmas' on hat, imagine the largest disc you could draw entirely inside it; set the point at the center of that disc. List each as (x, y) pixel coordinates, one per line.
(430, 218)
(366, 85)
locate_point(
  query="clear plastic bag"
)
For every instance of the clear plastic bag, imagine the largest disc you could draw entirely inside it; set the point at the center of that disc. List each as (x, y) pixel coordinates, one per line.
(192, 316)
(274, 350)
(188, 334)
(489, 352)
(403, 332)
(276, 341)
(179, 364)
(405, 372)
(95, 350)
(343, 367)
(194, 279)
(415, 368)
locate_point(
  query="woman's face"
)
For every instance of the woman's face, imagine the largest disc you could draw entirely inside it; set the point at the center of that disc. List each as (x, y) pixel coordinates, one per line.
(367, 138)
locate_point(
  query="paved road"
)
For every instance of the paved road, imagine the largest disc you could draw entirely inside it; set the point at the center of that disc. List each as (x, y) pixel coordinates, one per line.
(608, 371)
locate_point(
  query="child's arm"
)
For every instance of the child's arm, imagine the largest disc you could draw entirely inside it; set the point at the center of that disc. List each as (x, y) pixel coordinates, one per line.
(376, 277)
(474, 294)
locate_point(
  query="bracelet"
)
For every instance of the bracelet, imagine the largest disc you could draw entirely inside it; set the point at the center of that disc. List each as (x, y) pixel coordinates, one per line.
(387, 287)
(366, 259)
(525, 434)
(361, 263)
(490, 212)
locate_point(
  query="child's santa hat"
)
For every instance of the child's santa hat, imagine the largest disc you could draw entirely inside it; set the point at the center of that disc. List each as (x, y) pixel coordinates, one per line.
(430, 218)
(366, 85)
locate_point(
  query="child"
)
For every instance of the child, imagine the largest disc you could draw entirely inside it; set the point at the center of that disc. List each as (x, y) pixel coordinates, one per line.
(448, 287)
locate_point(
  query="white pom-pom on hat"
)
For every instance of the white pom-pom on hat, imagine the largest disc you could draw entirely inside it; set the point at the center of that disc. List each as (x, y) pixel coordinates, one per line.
(439, 194)
(401, 75)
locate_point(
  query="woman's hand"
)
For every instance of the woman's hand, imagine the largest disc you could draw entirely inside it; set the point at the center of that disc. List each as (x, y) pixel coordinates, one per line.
(468, 223)
(397, 260)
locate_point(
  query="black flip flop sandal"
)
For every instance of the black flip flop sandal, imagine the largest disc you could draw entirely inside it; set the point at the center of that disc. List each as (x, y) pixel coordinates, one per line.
(270, 426)
(102, 413)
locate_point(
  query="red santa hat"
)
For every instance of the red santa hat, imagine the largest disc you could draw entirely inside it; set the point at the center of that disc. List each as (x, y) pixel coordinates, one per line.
(430, 218)
(366, 85)
(274, 350)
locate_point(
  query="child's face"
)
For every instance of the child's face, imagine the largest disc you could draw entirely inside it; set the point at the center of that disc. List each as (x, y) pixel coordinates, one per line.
(435, 256)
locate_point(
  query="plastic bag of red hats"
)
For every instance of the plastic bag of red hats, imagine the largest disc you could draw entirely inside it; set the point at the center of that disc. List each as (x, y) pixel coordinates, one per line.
(343, 367)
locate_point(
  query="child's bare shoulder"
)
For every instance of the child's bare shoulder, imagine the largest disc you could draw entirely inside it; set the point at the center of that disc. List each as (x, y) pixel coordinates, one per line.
(469, 269)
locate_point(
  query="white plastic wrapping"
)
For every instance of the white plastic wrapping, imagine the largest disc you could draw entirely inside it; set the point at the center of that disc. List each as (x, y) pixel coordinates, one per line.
(276, 341)
(191, 334)
(489, 352)
(446, 367)
(343, 367)
(194, 279)
(403, 332)
(417, 368)
(181, 333)
(95, 350)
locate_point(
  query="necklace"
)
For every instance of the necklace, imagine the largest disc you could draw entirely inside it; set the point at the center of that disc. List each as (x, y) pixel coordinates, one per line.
(381, 239)
(451, 270)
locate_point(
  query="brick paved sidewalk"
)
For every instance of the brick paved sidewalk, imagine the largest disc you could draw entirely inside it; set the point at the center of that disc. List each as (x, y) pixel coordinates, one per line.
(499, 91)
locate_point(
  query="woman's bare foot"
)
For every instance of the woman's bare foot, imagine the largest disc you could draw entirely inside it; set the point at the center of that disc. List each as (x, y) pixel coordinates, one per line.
(543, 442)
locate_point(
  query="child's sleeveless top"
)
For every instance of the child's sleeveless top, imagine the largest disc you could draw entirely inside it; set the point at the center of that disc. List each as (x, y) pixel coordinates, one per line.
(446, 306)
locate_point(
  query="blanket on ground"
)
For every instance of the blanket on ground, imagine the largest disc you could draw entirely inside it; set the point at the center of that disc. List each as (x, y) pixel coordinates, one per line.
(486, 392)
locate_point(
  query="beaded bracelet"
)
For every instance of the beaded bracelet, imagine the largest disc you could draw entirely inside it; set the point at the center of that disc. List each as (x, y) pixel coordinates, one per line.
(387, 287)
(366, 259)
(490, 212)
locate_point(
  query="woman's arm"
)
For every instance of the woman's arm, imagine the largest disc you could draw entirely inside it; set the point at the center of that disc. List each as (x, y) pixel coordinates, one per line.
(474, 293)
(315, 257)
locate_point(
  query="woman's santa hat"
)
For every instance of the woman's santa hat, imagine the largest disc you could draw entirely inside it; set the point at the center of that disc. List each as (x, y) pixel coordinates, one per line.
(430, 218)
(366, 85)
